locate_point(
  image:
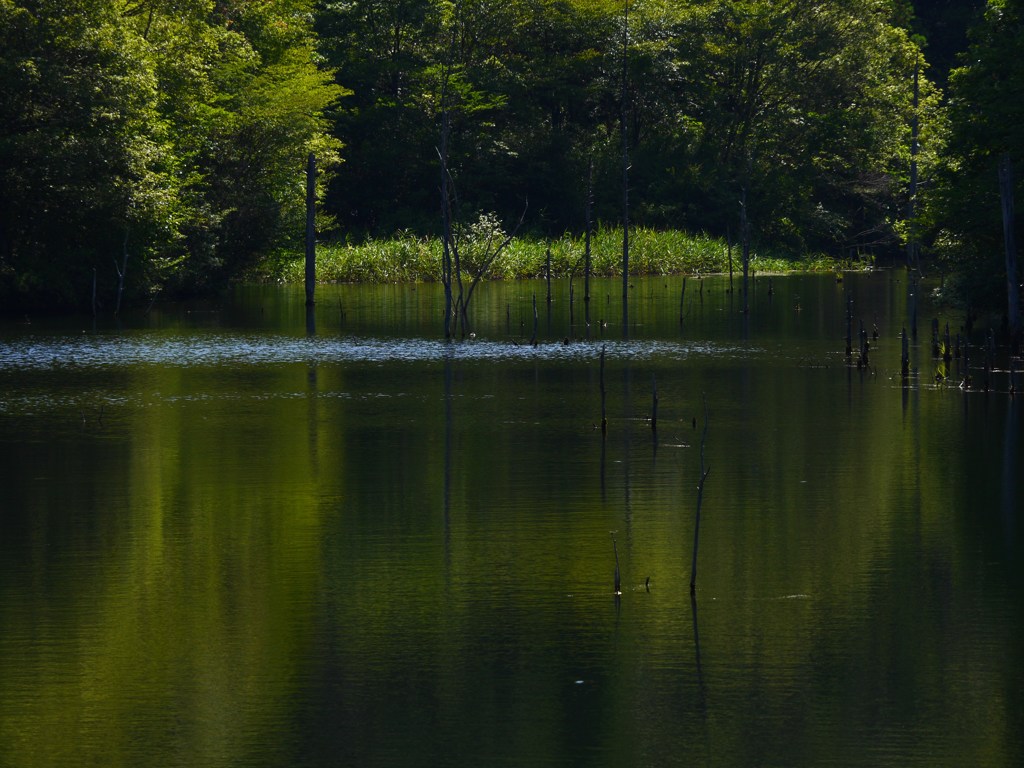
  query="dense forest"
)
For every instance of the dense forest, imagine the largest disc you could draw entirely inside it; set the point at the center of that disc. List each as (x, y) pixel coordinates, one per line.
(160, 145)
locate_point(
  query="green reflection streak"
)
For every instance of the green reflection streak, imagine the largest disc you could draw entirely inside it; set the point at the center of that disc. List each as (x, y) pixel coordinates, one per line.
(197, 560)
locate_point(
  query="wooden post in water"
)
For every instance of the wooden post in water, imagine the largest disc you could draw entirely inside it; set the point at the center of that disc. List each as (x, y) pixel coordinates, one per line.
(310, 229)
(700, 498)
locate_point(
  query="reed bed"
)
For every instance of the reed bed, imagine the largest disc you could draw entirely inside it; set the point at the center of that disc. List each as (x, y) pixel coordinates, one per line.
(408, 258)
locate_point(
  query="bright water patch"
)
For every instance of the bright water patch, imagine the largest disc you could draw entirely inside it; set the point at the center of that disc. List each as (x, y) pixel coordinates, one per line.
(97, 352)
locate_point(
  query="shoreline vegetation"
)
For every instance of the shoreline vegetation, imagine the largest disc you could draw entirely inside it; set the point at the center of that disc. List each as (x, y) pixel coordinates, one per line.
(411, 258)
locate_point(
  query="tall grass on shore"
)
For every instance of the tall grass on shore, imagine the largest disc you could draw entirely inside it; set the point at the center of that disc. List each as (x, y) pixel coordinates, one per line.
(407, 258)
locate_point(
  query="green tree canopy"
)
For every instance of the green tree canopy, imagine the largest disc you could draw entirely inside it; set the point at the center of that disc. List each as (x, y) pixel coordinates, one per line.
(171, 130)
(84, 158)
(175, 131)
(986, 107)
(808, 105)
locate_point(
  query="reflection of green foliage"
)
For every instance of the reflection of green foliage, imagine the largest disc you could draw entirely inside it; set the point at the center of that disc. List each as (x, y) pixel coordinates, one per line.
(199, 602)
(244, 547)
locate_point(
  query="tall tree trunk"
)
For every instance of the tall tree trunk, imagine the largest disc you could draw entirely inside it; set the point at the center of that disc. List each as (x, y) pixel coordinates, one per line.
(1010, 245)
(912, 247)
(121, 273)
(310, 229)
(625, 172)
(446, 218)
(586, 247)
(745, 240)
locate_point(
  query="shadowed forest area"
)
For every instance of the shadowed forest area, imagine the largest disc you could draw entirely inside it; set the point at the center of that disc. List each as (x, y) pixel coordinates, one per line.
(157, 148)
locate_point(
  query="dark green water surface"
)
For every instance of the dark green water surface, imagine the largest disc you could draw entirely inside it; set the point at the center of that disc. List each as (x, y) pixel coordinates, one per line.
(228, 538)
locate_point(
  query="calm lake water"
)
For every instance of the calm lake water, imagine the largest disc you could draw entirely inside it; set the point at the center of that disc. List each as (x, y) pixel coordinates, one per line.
(230, 539)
